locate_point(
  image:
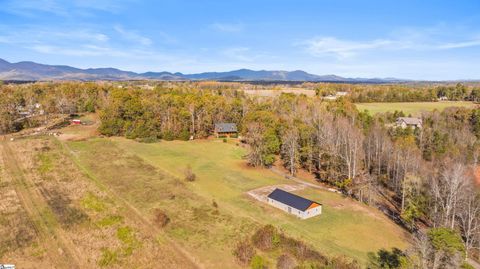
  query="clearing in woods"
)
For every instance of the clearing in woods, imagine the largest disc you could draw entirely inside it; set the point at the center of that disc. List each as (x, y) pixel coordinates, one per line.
(100, 197)
(209, 230)
(413, 108)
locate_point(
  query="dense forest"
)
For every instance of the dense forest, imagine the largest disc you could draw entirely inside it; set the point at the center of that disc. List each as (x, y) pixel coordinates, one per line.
(424, 178)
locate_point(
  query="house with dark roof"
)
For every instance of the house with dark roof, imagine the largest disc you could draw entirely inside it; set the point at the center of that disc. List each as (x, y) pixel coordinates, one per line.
(226, 130)
(294, 204)
(405, 122)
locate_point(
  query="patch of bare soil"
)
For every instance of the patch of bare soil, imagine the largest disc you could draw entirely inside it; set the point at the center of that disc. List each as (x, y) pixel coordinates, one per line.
(82, 131)
(261, 194)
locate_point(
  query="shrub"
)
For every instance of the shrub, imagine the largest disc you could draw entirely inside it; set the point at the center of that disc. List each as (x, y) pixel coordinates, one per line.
(161, 218)
(168, 135)
(266, 238)
(387, 259)
(224, 140)
(189, 175)
(300, 250)
(447, 240)
(344, 263)
(244, 252)
(184, 135)
(286, 262)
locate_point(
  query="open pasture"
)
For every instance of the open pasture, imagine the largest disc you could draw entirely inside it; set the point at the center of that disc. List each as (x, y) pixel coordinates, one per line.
(209, 232)
(413, 108)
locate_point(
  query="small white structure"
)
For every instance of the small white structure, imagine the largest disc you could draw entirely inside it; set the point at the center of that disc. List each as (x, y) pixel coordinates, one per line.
(405, 122)
(294, 204)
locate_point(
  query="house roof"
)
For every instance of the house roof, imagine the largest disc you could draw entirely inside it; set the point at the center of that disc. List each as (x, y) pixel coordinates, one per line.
(292, 200)
(225, 127)
(410, 121)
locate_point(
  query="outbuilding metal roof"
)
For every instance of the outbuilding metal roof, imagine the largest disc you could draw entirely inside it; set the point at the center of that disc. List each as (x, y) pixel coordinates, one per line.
(410, 121)
(225, 127)
(291, 199)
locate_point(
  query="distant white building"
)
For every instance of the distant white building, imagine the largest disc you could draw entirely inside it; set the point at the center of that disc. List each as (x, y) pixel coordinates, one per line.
(336, 96)
(294, 204)
(405, 122)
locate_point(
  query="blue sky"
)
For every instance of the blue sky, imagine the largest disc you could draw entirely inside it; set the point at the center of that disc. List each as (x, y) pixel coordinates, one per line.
(417, 39)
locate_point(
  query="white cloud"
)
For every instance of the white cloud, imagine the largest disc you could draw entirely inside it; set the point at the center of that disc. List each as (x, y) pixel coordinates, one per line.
(104, 5)
(31, 8)
(80, 51)
(341, 49)
(228, 27)
(77, 35)
(80, 42)
(133, 36)
(459, 45)
(25, 7)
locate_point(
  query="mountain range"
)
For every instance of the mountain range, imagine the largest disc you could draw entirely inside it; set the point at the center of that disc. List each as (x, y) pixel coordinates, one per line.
(31, 71)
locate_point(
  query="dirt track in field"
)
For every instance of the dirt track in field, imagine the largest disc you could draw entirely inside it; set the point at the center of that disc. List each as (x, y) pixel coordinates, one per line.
(148, 227)
(59, 246)
(59, 249)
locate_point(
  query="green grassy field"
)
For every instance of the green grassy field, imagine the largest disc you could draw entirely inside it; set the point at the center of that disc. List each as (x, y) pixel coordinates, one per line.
(147, 176)
(414, 108)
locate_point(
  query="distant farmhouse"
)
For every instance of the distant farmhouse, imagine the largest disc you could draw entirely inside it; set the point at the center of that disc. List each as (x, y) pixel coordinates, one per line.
(294, 204)
(226, 130)
(405, 122)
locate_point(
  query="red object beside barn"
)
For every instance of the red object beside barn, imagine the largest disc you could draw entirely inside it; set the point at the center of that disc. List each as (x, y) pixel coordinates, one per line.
(76, 122)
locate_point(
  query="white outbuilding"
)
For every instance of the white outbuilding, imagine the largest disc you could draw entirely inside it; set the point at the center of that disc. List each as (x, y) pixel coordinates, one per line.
(294, 204)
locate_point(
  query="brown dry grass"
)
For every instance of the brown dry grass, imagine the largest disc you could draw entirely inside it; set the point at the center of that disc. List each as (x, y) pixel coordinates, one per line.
(81, 214)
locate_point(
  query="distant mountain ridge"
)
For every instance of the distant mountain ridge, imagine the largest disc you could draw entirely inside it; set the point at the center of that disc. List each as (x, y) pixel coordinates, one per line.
(31, 71)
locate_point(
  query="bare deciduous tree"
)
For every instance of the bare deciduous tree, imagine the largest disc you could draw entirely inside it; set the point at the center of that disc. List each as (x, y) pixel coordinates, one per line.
(290, 148)
(446, 190)
(469, 217)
